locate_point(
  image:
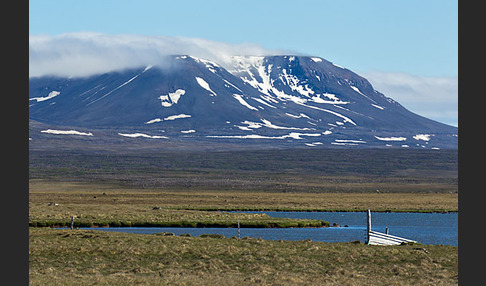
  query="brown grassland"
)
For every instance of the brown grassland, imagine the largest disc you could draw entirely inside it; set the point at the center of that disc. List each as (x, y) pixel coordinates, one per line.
(91, 204)
(96, 202)
(194, 190)
(80, 257)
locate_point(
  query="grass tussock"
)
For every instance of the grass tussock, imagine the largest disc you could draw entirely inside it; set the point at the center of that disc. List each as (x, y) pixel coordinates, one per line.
(78, 257)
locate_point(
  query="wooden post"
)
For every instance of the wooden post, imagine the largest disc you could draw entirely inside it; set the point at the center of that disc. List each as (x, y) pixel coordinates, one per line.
(386, 230)
(368, 226)
(238, 229)
(72, 222)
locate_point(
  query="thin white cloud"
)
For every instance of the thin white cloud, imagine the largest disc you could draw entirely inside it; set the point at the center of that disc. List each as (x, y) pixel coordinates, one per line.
(86, 53)
(432, 97)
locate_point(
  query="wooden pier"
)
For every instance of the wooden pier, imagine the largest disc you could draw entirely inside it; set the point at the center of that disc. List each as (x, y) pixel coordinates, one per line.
(378, 238)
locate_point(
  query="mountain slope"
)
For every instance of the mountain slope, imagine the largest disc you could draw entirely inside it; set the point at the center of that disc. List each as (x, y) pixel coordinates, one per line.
(278, 100)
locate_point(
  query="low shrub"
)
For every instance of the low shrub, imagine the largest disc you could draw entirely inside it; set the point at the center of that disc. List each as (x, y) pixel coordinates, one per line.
(212, 235)
(185, 235)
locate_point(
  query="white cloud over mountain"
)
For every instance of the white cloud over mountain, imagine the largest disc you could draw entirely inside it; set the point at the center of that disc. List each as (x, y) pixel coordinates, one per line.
(83, 54)
(433, 97)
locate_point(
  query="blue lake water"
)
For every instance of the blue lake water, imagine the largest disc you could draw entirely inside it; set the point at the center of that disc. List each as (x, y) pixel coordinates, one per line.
(426, 228)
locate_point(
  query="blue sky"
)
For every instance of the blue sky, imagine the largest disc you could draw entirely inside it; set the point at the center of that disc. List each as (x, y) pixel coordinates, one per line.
(406, 38)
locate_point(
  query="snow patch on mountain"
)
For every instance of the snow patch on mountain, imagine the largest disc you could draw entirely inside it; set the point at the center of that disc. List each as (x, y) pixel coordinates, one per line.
(254, 72)
(243, 102)
(171, 98)
(268, 124)
(337, 66)
(51, 94)
(147, 68)
(349, 141)
(314, 144)
(334, 99)
(293, 82)
(205, 85)
(292, 135)
(154, 121)
(234, 86)
(178, 116)
(172, 117)
(263, 102)
(344, 144)
(135, 135)
(377, 106)
(211, 66)
(359, 91)
(345, 119)
(424, 137)
(302, 115)
(120, 86)
(66, 132)
(391, 138)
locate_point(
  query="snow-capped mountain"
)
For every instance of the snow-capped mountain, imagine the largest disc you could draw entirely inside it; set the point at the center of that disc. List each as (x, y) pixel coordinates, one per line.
(278, 100)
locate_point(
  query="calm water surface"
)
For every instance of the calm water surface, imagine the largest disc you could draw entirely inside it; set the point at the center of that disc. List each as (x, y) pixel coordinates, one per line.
(426, 228)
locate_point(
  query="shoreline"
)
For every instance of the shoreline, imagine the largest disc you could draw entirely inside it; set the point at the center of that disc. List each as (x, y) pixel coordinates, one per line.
(444, 211)
(273, 223)
(287, 223)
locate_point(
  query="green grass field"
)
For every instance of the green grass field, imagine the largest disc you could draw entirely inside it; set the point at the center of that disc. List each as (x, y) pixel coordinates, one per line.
(79, 257)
